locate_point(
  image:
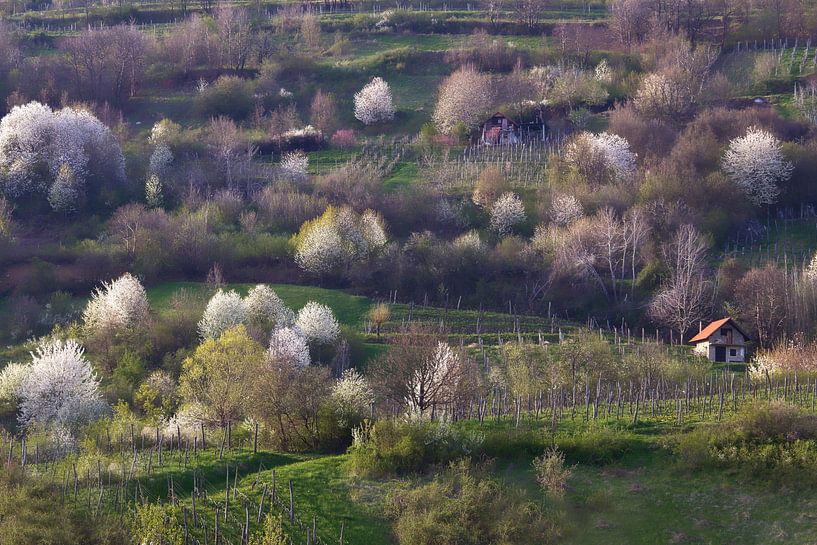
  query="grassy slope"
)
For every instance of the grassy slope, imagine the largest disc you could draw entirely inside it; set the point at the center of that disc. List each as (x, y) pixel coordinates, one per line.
(643, 498)
(349, 309)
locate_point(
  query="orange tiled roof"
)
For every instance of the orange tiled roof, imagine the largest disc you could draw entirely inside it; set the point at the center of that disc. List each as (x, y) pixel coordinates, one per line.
(712, 328)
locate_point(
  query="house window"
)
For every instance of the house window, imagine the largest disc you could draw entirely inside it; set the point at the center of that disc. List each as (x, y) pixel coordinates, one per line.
(733, 352)
(724, 332)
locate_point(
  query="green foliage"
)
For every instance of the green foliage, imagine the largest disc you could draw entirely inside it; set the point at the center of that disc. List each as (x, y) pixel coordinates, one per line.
(229, 96)
(215, 377)
(272, 532)
(551, 472)
(30, 514)
(465, 506)
(156, 523)
(774, 442)
(390, 447)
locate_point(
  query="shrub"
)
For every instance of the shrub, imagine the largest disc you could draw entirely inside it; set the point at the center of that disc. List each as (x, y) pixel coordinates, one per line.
(551, 473)
(390, 447)
(776, 442)
(229, 96)
(465, 506)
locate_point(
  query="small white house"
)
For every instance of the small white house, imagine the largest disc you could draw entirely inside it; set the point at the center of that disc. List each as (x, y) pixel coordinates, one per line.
(721, 341)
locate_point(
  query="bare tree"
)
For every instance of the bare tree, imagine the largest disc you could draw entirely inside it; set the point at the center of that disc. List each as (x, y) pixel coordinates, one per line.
(237, 38)
(687, 296)
(762, 298)
(108, 64)
(227, 145)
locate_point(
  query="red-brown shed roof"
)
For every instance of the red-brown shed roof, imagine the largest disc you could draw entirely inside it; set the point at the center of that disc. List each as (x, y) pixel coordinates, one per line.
(713, 327)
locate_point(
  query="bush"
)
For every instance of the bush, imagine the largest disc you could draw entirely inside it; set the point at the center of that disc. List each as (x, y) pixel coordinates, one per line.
(390, 447)
(465, 506)
(229, 96)
(777, 443)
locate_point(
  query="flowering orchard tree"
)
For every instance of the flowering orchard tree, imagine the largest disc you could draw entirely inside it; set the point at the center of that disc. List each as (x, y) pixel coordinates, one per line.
(506, 213)
(65, 193)
(160, 159)
(11, 382)
(756, 164)
(565, 209)
(60, 388)
(319, 247)
(69, 148)
(435, 379)
(340, 236)
(295, 166)
(118, 304)
(603, 151)
(265, 308)
(464, 97)
(289, 345)
(224, 311)
(373, 103)
(318, 323)
(351, 398)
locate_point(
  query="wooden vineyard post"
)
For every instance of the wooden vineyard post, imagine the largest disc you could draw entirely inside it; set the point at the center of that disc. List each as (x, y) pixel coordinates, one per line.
(291, 504)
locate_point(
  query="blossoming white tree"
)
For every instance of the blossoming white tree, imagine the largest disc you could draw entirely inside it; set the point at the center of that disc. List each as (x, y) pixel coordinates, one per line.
(11, 382)
(40, 147)
(756, 164)
(351, 398)
(373, 103)
(60, 388)
(433, 381)
(289, 345)
(295, 166)
(118, 304)
(318, 323)
(224, 310)
(604, 150)
(264, 307)
(565, 209)
(464, 97)
(337, 238)
(506, 213)
(160, 159)
(153, 191)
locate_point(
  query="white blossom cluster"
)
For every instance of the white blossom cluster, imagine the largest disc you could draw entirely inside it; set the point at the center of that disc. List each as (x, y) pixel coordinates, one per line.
(465, 96)
(507, 212)
(227, 309)
(60, 388)
(469, 242)
(603, 72)
(351, 397)
(756, 164)
(612, 149)
(318, 323)
(56, 153)
(373, 103)
(289, 345)
(565, 209)
(294, 166)
(118, 304)
(338, 238)
(265, 307)
(11, 382)
(304, 132)
(160, 159)
(434, 378)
